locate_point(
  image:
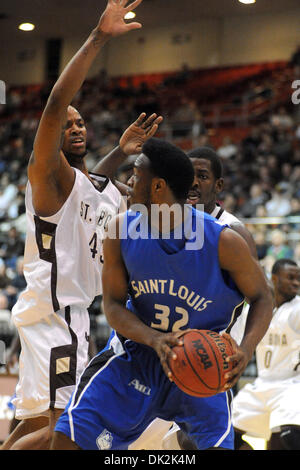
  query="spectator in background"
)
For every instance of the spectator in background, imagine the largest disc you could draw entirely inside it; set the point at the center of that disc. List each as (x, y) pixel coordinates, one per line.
(17, 207)
(251, 142)
(279, 247)
(17, 283)
(266, 180)
(261, 211)
(261, 244)
(145, 100)
(229, 203)
(283, 147)
(4, 279)
(12, 281)
(257, 198)
(228, 149)
(184, 117)
(279, 205)
(295, 207)
(295, 177)
(12, 248)
(281, 119)
(3, 303)
(8, 192)
(266, 145)
(183, 75)
(4, 296)
(6, 328)
(198, 127)
(274, 168)
(286, 172)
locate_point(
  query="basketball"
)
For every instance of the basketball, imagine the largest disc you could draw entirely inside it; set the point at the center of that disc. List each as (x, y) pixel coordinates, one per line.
(201, 365)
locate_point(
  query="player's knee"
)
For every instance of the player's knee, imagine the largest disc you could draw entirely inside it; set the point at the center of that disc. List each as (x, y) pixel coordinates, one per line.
(62, 442)
(290, 437)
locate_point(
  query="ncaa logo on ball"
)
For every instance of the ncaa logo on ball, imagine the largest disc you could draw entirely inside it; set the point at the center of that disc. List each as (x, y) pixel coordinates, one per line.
(201, 353)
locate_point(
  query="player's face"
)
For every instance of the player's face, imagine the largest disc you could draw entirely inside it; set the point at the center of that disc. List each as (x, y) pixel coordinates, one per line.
(140, 182)
(287, 281)
(205, 186)
(74, 143)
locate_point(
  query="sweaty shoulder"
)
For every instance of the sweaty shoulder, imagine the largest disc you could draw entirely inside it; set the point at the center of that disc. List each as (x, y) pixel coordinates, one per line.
(233, 249)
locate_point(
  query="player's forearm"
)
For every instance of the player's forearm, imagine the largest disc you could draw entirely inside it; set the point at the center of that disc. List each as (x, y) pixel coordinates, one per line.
(258, 320)
(109, 165)
(74, 74)
(49, 136)
(127, 324)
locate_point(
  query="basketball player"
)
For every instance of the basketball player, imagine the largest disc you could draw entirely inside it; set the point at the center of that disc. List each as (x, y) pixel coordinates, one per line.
(269, 408)
(67, 212)
(207, 185)
(128, 384)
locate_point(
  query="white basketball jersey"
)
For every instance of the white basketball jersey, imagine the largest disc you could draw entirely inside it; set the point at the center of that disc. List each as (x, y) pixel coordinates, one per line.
(223, 216)
(63, 253)
(278, 353)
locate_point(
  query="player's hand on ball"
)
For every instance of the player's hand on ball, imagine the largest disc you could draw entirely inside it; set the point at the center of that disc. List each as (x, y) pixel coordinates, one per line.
(112, 21)
(163, 345)
(239, 359)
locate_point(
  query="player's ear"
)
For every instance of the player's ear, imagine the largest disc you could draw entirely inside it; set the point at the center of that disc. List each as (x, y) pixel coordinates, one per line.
(158, 184)
(219, 185)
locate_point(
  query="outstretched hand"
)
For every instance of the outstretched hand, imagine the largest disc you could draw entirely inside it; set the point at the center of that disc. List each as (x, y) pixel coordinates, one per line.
(136, 134)
(112, 21)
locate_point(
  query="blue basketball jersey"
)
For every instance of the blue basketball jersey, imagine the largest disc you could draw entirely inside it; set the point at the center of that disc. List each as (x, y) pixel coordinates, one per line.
(171, 287)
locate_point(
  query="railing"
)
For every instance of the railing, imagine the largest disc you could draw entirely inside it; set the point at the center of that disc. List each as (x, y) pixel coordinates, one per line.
(274, 222)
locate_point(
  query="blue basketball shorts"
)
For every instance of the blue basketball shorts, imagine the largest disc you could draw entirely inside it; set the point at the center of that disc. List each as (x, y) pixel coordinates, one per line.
(123, 389)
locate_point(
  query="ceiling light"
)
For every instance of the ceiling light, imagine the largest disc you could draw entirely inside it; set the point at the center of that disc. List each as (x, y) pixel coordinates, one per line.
(26, 27)
(247, 2)
(130, 15)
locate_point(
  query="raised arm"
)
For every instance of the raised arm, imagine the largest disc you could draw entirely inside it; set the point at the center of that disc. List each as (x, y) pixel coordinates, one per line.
(131, 143)
(236, 258)
(48, 170)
